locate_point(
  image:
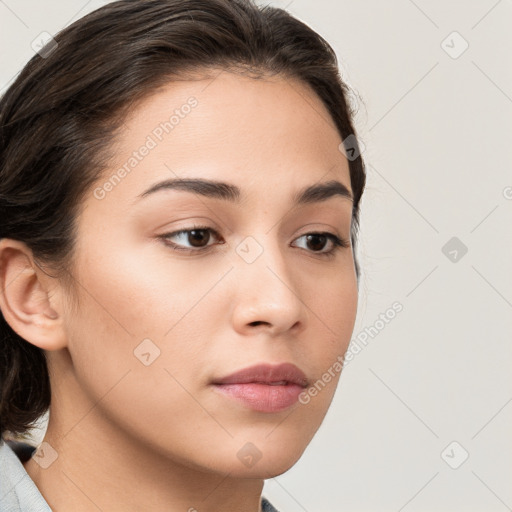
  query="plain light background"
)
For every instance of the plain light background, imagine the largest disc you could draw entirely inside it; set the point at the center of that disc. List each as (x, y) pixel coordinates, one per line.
(422, 418)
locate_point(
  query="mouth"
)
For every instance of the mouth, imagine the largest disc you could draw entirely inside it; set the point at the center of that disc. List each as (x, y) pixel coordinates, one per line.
(264, 387)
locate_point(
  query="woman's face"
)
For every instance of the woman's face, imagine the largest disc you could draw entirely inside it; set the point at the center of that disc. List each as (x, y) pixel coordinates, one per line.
(165, 317)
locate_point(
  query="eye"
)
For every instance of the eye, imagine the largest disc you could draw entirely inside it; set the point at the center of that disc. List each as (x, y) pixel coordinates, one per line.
(316, 243)
(196, 239)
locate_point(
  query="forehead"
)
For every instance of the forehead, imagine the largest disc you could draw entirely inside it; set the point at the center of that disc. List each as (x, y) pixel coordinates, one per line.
(254, 132)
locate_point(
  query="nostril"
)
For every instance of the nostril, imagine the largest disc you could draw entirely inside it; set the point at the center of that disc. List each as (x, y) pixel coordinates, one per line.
(257, 322)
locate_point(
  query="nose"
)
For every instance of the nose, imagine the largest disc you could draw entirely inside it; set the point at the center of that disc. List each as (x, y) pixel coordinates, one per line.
(267, 297)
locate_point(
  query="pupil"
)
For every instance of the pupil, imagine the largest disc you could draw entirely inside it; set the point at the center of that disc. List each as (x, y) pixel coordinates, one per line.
(195, 235)
(315, 238)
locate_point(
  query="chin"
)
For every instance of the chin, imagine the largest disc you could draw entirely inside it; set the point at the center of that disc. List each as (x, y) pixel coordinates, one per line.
(273, 468)
(270, 451)
(266, 458)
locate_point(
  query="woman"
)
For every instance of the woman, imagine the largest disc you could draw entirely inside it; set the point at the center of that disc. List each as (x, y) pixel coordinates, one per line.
(179, 194)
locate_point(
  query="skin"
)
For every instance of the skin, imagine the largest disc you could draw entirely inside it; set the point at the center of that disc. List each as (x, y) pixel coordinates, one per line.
(131, 437)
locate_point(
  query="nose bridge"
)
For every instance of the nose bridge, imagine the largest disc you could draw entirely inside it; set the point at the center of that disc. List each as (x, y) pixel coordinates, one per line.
(267, 289)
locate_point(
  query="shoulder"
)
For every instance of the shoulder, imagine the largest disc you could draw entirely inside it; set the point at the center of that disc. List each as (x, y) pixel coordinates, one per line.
(21, 449)
(266, 506)
(19, 493)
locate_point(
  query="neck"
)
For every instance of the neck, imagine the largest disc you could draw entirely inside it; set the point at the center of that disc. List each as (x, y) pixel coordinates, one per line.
(98, 468)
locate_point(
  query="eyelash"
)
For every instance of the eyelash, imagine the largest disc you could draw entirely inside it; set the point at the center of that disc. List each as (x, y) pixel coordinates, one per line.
(338, 243)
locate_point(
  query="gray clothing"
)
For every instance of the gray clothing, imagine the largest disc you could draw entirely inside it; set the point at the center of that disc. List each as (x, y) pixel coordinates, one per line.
(18, 493)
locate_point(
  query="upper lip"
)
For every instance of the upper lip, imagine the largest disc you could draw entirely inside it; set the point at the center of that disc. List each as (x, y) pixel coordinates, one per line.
(267, 374)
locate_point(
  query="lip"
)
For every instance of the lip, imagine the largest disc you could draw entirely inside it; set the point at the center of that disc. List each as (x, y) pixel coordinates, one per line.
(264, 387)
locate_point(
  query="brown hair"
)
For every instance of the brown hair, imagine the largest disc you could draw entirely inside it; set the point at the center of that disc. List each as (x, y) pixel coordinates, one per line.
(59, 118)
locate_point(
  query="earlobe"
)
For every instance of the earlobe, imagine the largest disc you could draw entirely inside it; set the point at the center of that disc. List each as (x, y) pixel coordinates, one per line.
(26, 298)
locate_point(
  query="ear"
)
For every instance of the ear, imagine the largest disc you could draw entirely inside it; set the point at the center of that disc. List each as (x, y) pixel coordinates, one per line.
(28, 298)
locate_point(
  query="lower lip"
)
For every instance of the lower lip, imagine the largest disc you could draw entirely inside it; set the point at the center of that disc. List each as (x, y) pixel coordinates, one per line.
(262, 397)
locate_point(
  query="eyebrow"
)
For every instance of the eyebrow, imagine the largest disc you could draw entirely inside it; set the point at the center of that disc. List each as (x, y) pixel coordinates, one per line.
(229, 192)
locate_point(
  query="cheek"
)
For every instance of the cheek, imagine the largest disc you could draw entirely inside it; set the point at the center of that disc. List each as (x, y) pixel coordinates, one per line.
(333, 309)
(120, 325)
(332, 306)
(144, 294)
(131, 313)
